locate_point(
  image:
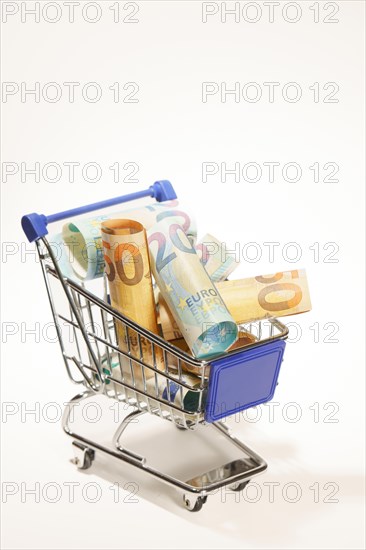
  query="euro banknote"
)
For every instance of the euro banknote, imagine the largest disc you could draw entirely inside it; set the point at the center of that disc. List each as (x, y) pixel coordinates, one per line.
(129, 277)
(189, 399)
(83, 236)
(244, 339)
(218, 263)
(253, 298)
(192, 298)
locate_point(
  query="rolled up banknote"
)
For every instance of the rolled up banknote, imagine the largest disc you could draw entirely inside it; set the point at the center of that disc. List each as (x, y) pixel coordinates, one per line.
(83, 236)
(193, 300)
(129, 277)
(218, 263)
(61, 253)
(278, 295)
(244, 339)
(168, 390)
(169, 325)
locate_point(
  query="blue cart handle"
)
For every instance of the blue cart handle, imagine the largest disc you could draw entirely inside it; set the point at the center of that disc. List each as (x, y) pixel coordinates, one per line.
(35, 225)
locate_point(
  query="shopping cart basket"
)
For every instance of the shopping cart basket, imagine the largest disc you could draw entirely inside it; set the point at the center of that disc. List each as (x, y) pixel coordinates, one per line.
(223, 386)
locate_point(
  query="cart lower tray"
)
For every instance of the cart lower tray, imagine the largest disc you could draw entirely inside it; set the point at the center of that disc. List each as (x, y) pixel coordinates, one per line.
(235, 474)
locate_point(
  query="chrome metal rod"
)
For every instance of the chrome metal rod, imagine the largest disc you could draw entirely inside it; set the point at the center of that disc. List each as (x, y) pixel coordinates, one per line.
(240, 469)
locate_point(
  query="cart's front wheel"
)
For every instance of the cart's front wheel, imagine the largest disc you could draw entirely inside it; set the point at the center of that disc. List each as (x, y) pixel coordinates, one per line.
(194, 504)
(83, 456)
(180, 427)
(239, 486)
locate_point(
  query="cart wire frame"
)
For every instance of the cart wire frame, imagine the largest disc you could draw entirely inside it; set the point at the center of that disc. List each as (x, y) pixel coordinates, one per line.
(158, 381)
(109, 370)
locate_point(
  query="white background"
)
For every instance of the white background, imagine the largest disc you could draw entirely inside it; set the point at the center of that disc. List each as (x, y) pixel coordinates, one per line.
(169, 133)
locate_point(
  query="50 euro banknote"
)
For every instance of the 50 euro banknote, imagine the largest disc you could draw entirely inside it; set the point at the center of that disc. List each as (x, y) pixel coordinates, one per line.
(82, 238)
(277, 295)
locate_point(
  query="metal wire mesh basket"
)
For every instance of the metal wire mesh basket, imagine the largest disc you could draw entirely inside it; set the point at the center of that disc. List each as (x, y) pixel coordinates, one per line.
(86, 329)
(177, 387)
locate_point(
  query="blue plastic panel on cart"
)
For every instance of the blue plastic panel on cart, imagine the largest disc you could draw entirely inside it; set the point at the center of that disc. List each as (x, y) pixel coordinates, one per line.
(243, 380)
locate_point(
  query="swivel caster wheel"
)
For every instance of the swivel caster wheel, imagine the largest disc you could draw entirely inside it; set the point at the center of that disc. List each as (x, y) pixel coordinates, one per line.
(239, 486)
(83, 456)
(194, 503)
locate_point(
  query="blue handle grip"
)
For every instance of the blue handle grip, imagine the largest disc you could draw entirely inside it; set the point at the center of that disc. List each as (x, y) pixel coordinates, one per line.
(35, 225)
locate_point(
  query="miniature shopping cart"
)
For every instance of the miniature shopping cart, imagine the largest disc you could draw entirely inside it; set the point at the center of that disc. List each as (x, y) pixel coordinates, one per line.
(224, 385)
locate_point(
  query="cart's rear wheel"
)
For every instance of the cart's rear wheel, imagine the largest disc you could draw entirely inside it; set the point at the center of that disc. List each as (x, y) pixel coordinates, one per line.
(83, 456)
(194, 504)
(88, 459)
